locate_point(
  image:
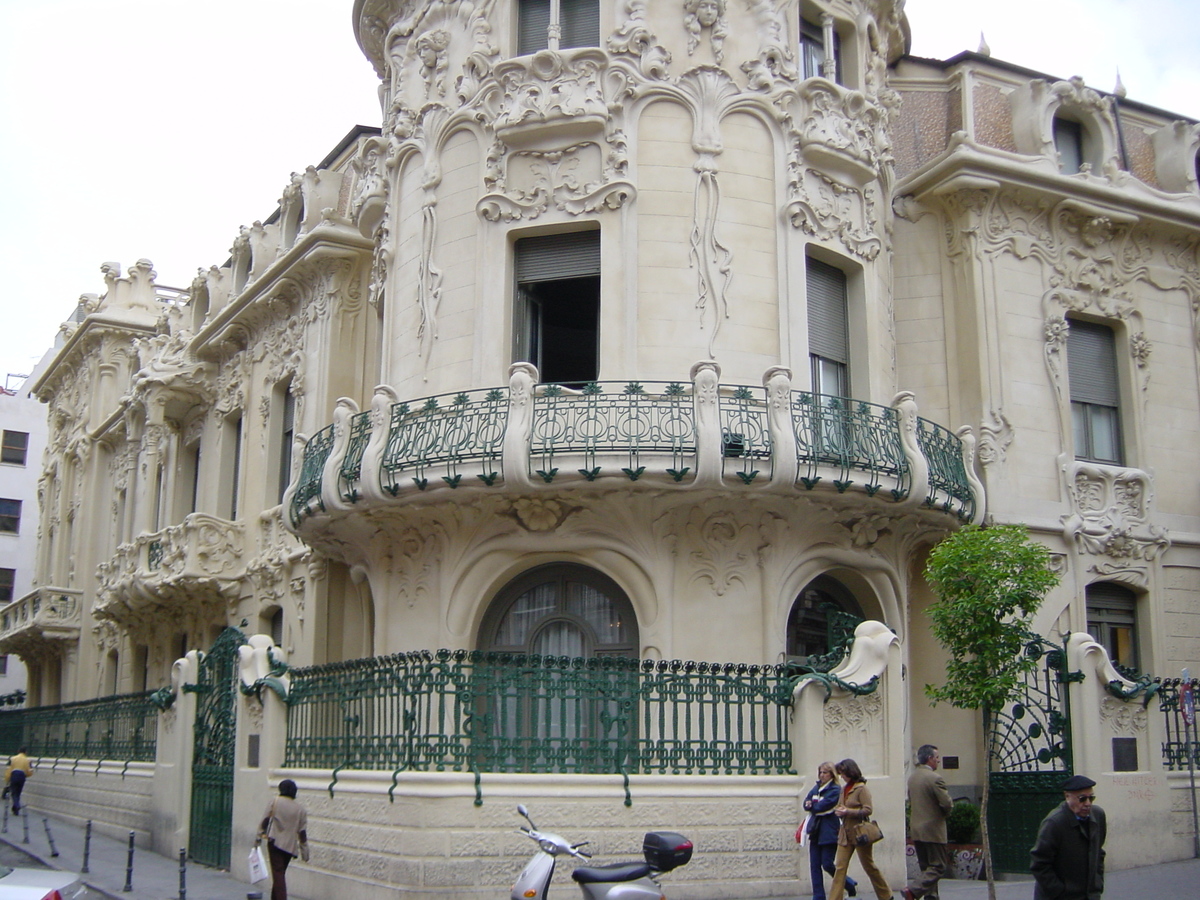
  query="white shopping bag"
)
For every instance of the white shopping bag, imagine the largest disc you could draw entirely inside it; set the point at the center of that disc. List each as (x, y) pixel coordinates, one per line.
(258, 864)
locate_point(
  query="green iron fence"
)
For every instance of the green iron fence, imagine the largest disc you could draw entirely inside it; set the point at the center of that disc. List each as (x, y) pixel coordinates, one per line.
(497, 712)
(308, 489)
(123, 727)
(852, 436)
(1174, 748)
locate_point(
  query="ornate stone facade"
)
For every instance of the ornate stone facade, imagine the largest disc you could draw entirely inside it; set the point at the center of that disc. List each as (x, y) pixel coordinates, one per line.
(352, 437)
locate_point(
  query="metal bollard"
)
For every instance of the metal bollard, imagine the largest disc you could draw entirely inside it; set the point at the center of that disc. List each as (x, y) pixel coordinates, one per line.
(129, 867)
(25, 826)
(182, 873)
(49, 836)
(87, 847)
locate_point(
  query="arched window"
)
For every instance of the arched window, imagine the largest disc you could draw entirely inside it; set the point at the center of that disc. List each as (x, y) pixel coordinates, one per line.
(561, 610)
(822, 618)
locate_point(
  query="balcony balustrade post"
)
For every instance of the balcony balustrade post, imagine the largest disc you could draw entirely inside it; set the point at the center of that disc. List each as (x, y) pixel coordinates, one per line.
(967, 436)
(330, 495)
(905, 405)
(522, 377)
(706, 381)
(370, 483)
(784, 464)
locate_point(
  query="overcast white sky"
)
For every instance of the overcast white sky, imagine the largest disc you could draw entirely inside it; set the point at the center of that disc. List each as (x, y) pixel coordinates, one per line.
(155, 128)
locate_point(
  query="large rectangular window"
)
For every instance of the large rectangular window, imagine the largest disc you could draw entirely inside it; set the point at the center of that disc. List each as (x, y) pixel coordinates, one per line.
(557, 306)
(578, 22)
(1095, 392)
(7, 579)
(10, 516)
(15, 447)
(286, 439)
(231, 467)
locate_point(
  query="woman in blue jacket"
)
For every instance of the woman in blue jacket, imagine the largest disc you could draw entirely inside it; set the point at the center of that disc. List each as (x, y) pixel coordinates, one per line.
(823, 830)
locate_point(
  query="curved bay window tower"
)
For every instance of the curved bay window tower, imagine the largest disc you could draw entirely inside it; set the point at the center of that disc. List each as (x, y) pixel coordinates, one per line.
(631, 265)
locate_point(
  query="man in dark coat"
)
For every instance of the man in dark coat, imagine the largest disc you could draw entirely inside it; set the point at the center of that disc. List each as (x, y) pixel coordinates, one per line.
(1068, 858)
(930, 805)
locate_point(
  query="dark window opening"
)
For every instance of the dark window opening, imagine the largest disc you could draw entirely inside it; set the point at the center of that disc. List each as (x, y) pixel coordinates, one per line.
(7, 578)
(822, 619)
(557, 324)
(10, 516)
(1068, 141)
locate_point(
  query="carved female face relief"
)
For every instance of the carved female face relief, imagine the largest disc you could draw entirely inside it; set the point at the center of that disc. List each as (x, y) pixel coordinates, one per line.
(707, 13)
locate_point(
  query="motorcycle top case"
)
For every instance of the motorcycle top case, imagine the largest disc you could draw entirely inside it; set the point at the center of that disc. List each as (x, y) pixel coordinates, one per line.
(666, 850)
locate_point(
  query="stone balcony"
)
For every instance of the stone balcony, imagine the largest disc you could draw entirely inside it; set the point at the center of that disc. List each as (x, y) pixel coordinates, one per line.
(192, 566)
(687, 435)
(45, 618)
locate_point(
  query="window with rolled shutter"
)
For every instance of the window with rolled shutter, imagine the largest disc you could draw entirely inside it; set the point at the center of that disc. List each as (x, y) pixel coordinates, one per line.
(1095, 392)
(578, 20)
(828, 329)
(557, 306)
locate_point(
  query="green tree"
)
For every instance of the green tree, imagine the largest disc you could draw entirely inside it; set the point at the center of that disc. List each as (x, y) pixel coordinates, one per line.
(989, 583)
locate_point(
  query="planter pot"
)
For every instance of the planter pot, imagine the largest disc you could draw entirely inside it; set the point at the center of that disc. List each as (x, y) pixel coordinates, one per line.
(966, 860)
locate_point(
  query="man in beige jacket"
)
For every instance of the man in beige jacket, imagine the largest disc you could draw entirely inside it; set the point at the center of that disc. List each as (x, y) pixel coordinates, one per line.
(930, 805)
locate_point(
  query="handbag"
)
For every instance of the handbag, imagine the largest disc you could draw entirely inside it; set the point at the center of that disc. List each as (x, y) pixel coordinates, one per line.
(869, 832)
(258, 864)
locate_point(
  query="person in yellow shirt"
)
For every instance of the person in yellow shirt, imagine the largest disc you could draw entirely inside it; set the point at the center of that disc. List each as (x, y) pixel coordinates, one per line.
(19, 768)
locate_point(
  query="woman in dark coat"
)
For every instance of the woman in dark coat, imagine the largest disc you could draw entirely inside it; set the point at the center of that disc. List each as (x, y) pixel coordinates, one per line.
(823, 830)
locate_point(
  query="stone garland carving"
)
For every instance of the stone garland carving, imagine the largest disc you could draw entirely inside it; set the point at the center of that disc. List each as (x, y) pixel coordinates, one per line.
(1110, 519)
(632, 37)
(582, 178)
(706, 15)
(711, 93)
(995, 437)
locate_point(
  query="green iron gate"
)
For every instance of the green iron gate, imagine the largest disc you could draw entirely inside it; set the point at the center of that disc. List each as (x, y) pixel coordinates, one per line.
(1030, 757)
(212, 762)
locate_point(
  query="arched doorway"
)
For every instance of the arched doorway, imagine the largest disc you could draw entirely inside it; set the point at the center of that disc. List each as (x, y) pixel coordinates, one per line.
(563, 709)
(821, 623)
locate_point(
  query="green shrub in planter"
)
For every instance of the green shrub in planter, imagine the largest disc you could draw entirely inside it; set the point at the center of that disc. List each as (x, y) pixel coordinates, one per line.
(962, 827)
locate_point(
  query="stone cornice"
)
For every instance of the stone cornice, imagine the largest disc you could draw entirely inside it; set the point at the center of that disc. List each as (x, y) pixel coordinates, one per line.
(80, 344)
(329, 240)
(969, 166)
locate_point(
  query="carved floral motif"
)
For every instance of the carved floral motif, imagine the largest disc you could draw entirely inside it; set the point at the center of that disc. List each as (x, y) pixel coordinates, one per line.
(1110, 518)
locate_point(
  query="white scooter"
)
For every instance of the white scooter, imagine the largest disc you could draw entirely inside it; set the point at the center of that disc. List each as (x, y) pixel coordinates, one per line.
(662, 850)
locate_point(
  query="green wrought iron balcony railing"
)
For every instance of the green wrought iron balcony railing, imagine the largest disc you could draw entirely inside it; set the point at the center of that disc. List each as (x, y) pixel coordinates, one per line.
(690, 434)
(46, 615)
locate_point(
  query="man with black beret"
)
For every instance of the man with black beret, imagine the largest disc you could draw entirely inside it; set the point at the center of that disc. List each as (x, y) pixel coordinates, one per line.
(1068, 859)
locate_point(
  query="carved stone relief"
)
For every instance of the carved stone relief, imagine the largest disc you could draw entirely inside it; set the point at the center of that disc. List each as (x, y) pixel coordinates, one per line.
(701, 17)
(1125, 718)
(852, 716)
(1110, 521)
(725, 556)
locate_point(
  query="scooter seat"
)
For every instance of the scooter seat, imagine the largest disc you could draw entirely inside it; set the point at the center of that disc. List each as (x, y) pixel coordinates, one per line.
(613, 872)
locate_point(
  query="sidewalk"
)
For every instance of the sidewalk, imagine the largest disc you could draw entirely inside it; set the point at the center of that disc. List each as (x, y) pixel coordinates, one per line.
(157, 877)
(154, 877)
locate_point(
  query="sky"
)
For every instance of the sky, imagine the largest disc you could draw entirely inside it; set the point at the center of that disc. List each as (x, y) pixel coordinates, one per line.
(154, 129)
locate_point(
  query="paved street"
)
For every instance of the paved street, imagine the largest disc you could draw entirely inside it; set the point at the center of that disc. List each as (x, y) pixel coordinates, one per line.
(157, 877)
